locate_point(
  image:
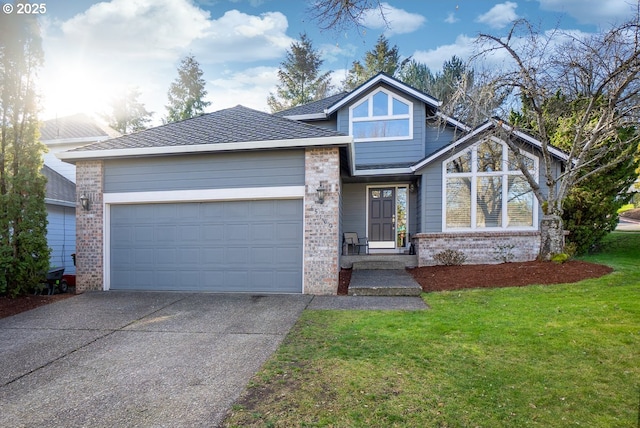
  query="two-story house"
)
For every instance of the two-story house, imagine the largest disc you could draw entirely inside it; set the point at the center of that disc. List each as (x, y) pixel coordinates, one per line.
(245, 201)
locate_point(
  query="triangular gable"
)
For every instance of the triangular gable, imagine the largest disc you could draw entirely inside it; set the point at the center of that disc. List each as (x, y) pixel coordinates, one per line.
(376, 80)
(491, 123)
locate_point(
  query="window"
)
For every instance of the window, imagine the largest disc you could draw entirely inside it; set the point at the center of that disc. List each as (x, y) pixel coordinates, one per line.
(381, 116)
(485, 189)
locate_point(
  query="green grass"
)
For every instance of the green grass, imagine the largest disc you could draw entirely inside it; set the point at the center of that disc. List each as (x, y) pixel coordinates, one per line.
(543, 356)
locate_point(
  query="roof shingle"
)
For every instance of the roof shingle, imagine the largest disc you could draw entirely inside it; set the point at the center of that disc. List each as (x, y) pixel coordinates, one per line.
(76, 126)
(233, 125)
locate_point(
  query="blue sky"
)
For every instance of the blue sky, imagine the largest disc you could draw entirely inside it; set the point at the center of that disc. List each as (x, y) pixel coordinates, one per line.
(96, 50)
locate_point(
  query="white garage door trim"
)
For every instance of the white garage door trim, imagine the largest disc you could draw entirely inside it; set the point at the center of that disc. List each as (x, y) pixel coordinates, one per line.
(176, 196)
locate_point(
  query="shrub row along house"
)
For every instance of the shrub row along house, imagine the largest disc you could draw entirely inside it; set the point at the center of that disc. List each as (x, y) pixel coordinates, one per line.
(244, 201)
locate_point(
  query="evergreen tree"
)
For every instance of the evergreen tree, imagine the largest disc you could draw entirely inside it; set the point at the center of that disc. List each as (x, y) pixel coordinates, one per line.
(381, 58)
(24, 254)
(186, 94)
(300, 78)
(127, 113)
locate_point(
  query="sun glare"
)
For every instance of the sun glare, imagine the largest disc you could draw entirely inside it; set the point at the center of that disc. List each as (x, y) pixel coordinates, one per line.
(74, 89)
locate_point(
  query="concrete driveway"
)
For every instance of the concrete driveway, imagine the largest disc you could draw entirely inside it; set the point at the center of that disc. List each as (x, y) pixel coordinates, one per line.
(137, 359)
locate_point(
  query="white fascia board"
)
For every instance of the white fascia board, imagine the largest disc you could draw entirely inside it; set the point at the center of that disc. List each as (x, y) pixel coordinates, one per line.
(379, 172)
(452, 146)
(310, 116)
(73, 156)
(202, 195)
(558, 153)
(391, 82)
(453, 121)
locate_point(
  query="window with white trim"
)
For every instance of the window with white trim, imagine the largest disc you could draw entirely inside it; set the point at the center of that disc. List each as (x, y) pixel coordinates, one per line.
(381, 116)
(484, 189)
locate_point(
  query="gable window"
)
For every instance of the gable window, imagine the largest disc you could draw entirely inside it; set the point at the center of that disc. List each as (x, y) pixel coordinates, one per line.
(383, 115)
(485, 189)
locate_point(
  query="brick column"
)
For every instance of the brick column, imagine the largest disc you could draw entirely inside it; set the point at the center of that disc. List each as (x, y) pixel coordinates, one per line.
(321, 227)
(89, 226)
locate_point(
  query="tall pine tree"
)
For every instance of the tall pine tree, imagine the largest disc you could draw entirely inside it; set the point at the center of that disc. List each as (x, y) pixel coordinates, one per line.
(128, 114)
(300, 78)
(382, 58)
(186, 94)
(24, 254)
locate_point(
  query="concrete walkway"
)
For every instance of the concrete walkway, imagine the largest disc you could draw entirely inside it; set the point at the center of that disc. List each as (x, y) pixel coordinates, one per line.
(119, 359)
(628, 225)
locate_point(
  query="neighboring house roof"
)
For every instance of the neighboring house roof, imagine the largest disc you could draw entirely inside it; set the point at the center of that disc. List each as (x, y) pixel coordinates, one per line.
(76, 127)
(59, 190)
(236, 128)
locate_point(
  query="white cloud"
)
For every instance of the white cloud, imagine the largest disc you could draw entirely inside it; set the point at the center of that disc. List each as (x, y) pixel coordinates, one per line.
(451, 18)
(333, 52)
(599, 12)
(236, 36)
(392, 20)
(249, 87)
(463, 48)
(136, 28)
(139, 43)
(500, 15)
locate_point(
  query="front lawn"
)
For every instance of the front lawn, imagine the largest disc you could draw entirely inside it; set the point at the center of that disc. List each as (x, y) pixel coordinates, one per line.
(546, 356)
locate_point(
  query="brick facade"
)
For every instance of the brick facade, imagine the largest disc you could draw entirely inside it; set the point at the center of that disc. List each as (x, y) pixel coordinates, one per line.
(89, 226)
(321, 221)
(479, 248)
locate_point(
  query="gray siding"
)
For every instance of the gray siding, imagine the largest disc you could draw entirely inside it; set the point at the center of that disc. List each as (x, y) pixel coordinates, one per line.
(354, 208)
(206, 171)
(389, 152)
(61, 236)
(437, 136)
(431, 188)
(414, 212)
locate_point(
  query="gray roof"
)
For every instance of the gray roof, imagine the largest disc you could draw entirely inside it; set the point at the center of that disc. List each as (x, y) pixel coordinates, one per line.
(233, 125)
(76, 127)
(58, 187)
(313, 107)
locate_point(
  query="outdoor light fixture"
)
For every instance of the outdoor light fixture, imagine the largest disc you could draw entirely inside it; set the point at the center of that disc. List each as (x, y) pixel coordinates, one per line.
(84, 201)
(412, 187)
(320, 191)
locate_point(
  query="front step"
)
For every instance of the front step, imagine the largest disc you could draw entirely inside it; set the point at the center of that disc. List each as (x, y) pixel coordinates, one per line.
(407, 261)
(378, 265)
(383, 282)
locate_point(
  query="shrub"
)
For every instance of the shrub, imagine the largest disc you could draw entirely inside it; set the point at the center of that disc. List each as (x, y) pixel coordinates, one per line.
(450, 258)
(560, 258)
(504, 253)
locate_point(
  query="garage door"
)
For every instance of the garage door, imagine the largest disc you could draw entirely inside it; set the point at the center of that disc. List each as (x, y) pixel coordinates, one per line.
(235, 246)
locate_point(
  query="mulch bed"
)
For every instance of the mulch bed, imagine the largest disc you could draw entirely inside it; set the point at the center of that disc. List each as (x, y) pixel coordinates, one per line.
(11, 306)
(443, 278)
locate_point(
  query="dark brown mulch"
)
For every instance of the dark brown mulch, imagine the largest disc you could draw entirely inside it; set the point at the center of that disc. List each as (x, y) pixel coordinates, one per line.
(343, 282)
(443, 278)
(11, 306)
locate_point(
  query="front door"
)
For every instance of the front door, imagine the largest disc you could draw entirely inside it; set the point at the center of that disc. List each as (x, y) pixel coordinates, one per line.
(382, 217)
